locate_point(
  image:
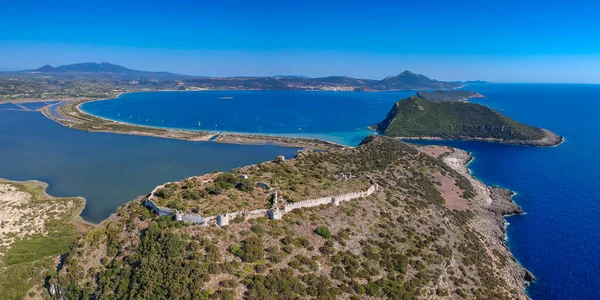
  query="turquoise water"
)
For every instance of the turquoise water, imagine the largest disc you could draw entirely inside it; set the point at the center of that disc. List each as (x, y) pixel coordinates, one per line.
(109, 169)
(340, 117)
(558, 238)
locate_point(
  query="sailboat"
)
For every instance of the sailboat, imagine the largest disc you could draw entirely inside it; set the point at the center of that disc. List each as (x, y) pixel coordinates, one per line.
(199, 124)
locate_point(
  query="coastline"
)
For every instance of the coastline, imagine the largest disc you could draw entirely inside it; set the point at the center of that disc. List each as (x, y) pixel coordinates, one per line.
(71, 115)
(37, 229)
(492, 204)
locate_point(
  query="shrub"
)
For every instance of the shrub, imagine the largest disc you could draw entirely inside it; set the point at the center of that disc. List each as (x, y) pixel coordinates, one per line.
(214, 189)
(258, 228)
(226, 180)
(245, 185)
(192, 194)
(176, 205)
(251, 250)
(164, 193)
(323, 231)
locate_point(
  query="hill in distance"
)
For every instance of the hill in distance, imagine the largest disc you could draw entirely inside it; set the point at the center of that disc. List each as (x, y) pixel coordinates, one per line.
(418, 118)
(408, 80)
(99, 69)
(403, 81)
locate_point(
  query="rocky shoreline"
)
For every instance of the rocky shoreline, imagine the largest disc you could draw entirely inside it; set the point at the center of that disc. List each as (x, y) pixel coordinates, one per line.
(491, 205)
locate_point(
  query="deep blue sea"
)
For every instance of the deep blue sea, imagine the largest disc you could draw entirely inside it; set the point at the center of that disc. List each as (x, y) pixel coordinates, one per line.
(340, 117)
(558, 238)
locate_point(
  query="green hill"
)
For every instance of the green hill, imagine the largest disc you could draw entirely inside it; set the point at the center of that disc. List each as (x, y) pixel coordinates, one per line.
(415, 117)
(401, 242)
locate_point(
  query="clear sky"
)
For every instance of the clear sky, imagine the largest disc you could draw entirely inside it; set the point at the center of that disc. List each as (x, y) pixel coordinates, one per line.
(503, 41)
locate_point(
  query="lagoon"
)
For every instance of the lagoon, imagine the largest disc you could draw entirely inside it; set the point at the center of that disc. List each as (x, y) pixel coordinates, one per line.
(109, 169)
(340, 117)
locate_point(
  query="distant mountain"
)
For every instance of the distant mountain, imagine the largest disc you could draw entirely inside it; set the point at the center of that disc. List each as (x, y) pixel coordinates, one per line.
(88, 67)
(103, 69)
(90, 70)
(408, 80)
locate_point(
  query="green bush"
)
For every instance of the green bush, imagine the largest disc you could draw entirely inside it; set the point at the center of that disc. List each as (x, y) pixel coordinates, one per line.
(164, 193)
(226, 180)
(252, 250)
(176, 205)
(323, 231)
(213, 189)
(245, 185)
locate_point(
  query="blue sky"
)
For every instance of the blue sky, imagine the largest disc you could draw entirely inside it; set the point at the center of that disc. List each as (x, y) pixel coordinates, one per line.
(504, 41)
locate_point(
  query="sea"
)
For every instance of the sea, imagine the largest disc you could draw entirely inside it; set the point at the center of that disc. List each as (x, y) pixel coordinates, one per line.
(557, 239)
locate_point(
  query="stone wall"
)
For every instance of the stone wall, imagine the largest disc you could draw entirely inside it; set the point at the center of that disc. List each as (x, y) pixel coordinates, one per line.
(274, 213)
(161, 211)
(331, 199)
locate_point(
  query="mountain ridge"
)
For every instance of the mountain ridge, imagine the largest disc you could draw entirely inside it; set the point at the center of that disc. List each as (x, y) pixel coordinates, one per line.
(405, 80)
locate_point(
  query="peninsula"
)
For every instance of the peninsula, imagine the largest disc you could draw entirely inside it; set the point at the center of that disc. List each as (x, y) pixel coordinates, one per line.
(446, 115)
(384, 220)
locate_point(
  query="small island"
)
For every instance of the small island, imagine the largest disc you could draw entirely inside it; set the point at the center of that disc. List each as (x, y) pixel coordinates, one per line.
(449, 117)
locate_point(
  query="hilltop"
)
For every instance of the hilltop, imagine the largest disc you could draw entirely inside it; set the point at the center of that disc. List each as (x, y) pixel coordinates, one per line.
(408, 80)
(418, 118)
(430, 230)
(104, 69)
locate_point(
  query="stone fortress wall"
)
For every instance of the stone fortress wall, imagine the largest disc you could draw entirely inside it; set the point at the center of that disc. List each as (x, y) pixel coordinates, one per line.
(273, 213)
